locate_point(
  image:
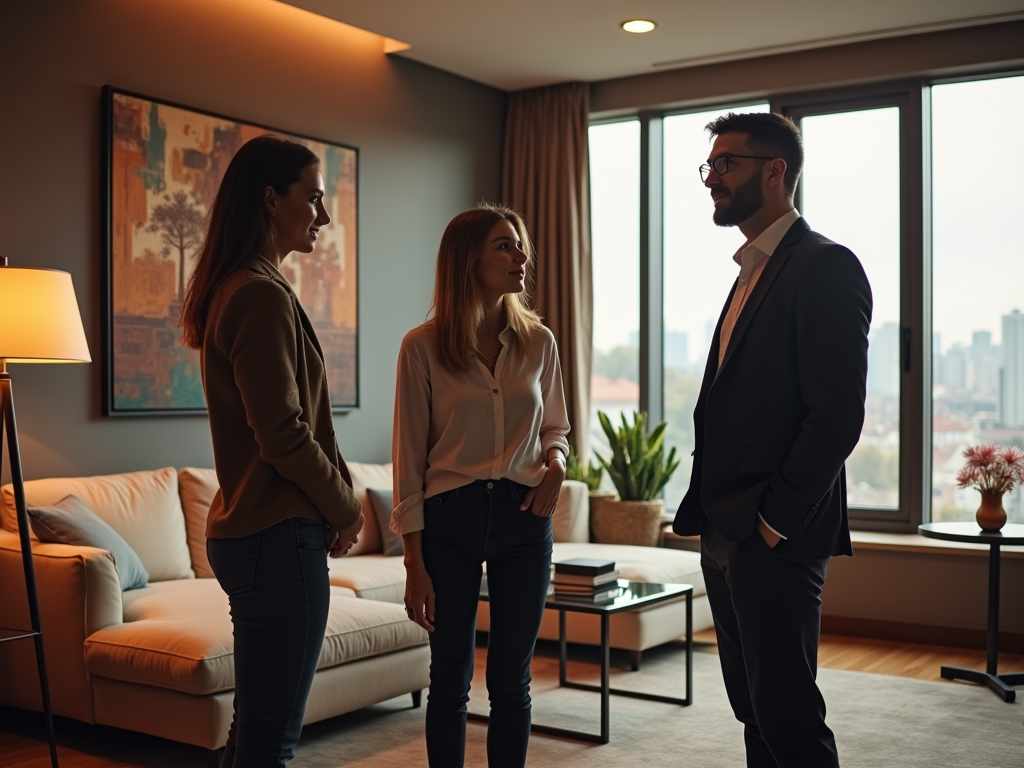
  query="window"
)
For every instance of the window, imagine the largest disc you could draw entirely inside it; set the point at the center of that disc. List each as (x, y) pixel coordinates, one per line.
(615, 247)
(699, 272)
(903, 175)
(978, 284)
(850, 192)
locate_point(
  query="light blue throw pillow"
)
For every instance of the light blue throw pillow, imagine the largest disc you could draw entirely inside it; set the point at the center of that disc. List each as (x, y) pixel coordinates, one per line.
(69, 521)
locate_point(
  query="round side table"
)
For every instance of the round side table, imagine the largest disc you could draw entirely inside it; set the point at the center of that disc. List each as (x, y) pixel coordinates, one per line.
(1010, 535)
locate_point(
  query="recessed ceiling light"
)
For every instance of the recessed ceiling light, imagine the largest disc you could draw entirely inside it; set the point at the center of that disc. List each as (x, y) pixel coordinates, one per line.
(638, 26)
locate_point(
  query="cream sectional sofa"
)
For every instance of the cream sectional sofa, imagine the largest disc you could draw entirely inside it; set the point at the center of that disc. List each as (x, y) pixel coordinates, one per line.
(159, 659)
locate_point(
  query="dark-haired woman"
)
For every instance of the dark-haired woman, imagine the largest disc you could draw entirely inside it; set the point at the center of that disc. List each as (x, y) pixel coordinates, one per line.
(479, 446)
(285, 493)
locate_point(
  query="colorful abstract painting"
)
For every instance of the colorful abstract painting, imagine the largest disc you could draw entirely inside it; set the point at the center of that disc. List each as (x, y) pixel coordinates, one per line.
(164, 164)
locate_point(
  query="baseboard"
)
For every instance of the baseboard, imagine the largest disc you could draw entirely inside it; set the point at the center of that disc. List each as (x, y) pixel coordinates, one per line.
(960, 637)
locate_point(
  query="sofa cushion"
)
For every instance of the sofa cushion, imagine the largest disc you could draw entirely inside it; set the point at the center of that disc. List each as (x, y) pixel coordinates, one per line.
(368, 476)
(653, 564)
(383, 502)
(197, 488)
(69, 521)
(374, 577)
(177, 635)
(143, 507)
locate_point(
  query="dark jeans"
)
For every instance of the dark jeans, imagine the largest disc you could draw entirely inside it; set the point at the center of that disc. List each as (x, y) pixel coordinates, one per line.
(277, 585)
(463, 528)
(767, 610)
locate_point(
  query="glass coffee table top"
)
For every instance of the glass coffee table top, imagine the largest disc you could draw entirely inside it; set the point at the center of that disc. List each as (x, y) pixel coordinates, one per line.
(632, 594)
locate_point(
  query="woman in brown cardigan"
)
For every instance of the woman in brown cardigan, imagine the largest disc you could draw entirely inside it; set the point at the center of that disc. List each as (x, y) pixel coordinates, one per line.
(285, 493)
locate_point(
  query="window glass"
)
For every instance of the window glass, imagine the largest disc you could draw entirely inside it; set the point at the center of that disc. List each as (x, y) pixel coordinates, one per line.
(699, 272)
(850, 193)
(977, 284)
(615, 244)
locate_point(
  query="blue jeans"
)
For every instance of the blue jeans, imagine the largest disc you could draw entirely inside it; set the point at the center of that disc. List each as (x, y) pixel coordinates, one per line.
(277, 585)
(463, 528)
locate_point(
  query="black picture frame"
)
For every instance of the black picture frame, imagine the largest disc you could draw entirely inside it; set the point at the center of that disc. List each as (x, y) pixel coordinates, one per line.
(161, 165)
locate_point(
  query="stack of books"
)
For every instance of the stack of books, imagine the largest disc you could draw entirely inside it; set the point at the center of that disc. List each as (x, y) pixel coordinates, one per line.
(586, 579)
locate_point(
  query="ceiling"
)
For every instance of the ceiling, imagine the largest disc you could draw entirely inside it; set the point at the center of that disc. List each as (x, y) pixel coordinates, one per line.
(522, 44)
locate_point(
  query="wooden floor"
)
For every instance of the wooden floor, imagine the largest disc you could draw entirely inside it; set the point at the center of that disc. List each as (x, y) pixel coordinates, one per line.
(21, 733)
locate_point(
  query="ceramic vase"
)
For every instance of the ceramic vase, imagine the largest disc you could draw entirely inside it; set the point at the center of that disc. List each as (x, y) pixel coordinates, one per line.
(991, 516)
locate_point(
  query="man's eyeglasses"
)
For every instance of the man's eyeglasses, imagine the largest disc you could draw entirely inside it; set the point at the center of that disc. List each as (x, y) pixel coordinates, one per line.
(721, 165)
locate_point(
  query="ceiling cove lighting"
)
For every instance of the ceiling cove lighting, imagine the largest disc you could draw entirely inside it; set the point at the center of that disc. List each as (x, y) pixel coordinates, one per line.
(638, 26)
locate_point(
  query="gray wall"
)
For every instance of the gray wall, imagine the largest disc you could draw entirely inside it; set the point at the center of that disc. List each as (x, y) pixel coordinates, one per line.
(430, 146)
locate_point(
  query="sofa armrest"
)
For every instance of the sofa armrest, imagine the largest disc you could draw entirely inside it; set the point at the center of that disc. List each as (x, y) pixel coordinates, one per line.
(79, 593)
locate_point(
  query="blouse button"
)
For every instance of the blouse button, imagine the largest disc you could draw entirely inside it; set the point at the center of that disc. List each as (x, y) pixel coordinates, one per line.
(495, 391)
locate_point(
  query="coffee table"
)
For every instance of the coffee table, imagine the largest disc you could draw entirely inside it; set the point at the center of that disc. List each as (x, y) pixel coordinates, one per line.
(635, 594)
(1011, 534)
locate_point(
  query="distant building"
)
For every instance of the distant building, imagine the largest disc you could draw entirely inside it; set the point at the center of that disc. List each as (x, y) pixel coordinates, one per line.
(954, 368)
(1011, 395)
(983, 365)
(884, 361)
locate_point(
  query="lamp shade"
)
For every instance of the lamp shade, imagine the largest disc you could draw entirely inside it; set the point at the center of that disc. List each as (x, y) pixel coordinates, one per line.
(39, 319)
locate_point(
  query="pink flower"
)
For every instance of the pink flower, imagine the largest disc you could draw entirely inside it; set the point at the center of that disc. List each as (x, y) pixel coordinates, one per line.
(992, 469)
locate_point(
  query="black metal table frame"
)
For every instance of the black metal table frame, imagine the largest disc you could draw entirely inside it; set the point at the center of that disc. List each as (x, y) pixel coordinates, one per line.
(999, 683)
(605, 688)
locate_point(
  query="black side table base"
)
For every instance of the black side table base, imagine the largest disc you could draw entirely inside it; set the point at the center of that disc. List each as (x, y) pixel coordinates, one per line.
(1000, 684)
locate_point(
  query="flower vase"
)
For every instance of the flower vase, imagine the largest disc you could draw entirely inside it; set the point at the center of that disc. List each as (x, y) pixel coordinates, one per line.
(991, 516)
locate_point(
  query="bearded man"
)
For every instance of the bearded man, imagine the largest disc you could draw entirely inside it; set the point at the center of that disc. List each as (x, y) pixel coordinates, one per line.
(780, 410)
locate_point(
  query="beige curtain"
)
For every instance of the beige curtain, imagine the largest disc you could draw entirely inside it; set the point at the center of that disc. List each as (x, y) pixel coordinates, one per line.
(546, 175)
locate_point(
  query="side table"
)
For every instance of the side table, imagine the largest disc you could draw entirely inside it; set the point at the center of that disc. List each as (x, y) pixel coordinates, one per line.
(1010, 535)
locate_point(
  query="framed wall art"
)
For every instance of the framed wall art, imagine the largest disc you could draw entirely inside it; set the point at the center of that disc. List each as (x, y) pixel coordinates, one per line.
(162, 166)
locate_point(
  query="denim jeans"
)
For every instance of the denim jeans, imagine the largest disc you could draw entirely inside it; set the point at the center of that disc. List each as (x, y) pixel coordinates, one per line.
(463, 528)
(277, 585)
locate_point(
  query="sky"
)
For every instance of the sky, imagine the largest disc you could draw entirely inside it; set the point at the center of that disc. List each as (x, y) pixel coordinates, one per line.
(851, 195)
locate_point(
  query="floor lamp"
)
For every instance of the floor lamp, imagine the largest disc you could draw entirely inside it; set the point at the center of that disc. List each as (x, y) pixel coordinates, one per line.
(39, 323)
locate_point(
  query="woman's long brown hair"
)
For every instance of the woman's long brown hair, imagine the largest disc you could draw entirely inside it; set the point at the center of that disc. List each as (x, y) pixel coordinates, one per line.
(458, 301)
(239, 227)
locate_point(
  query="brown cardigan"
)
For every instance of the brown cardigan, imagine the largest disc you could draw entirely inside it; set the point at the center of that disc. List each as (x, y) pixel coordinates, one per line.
(270, 411)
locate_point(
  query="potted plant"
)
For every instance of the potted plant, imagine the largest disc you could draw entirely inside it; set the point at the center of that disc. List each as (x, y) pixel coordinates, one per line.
(992, 471)
(574, 470)
(639, 469)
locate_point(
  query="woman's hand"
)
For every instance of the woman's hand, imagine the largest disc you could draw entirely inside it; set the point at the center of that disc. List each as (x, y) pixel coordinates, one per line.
(419, 589)
(338, 543)
(542, 499)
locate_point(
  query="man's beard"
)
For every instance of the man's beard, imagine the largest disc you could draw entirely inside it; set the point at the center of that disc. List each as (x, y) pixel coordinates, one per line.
(743, 203)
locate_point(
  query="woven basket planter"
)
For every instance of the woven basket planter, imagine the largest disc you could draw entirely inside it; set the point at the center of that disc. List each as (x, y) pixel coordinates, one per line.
(626, 522)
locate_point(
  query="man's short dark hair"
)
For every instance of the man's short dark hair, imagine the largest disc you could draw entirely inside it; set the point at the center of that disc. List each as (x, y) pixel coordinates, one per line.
(770, 135)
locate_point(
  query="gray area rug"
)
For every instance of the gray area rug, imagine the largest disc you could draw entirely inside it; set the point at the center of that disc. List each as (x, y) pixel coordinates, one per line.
(878, 720)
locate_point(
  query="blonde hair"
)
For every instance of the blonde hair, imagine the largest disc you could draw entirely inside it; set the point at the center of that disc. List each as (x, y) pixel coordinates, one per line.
(458, 305)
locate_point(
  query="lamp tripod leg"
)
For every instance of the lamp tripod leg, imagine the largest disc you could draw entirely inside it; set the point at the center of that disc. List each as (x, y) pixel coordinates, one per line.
(10, 426)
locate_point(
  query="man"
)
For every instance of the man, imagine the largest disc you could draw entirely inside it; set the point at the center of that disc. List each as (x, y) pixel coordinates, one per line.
(780, 409)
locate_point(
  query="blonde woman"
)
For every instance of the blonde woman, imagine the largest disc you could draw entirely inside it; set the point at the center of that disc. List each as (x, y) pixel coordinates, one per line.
(479, 454)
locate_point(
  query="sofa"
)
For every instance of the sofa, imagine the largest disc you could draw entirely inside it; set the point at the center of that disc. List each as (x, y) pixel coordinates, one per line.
(159, 659)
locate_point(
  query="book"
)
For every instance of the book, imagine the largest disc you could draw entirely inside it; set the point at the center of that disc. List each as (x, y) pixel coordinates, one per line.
(583, 589)
(584, 566)
(573, 578)
(603, 596)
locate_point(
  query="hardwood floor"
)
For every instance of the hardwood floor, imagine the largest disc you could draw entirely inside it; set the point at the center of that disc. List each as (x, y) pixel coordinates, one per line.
(82, 746)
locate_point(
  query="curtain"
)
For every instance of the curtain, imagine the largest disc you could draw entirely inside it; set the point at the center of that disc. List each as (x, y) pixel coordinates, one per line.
(546, 175)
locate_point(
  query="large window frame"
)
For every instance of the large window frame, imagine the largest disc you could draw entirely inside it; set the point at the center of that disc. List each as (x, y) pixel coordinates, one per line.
(912, 97)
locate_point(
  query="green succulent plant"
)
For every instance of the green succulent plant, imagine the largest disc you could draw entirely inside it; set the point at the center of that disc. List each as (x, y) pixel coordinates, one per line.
(574, 470)
(638, 466)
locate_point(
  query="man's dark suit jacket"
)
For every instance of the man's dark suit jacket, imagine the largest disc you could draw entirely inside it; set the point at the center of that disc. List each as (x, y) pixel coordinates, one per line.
(775, 424)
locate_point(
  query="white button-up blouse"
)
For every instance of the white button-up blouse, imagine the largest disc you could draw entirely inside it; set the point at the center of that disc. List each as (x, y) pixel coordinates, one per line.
(454, 427)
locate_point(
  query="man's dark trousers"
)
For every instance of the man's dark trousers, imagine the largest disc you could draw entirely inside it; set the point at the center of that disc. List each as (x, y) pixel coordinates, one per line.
(767, 610)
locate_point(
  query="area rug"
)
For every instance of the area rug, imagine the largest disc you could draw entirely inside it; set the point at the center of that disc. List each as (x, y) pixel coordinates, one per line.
(879, 721)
